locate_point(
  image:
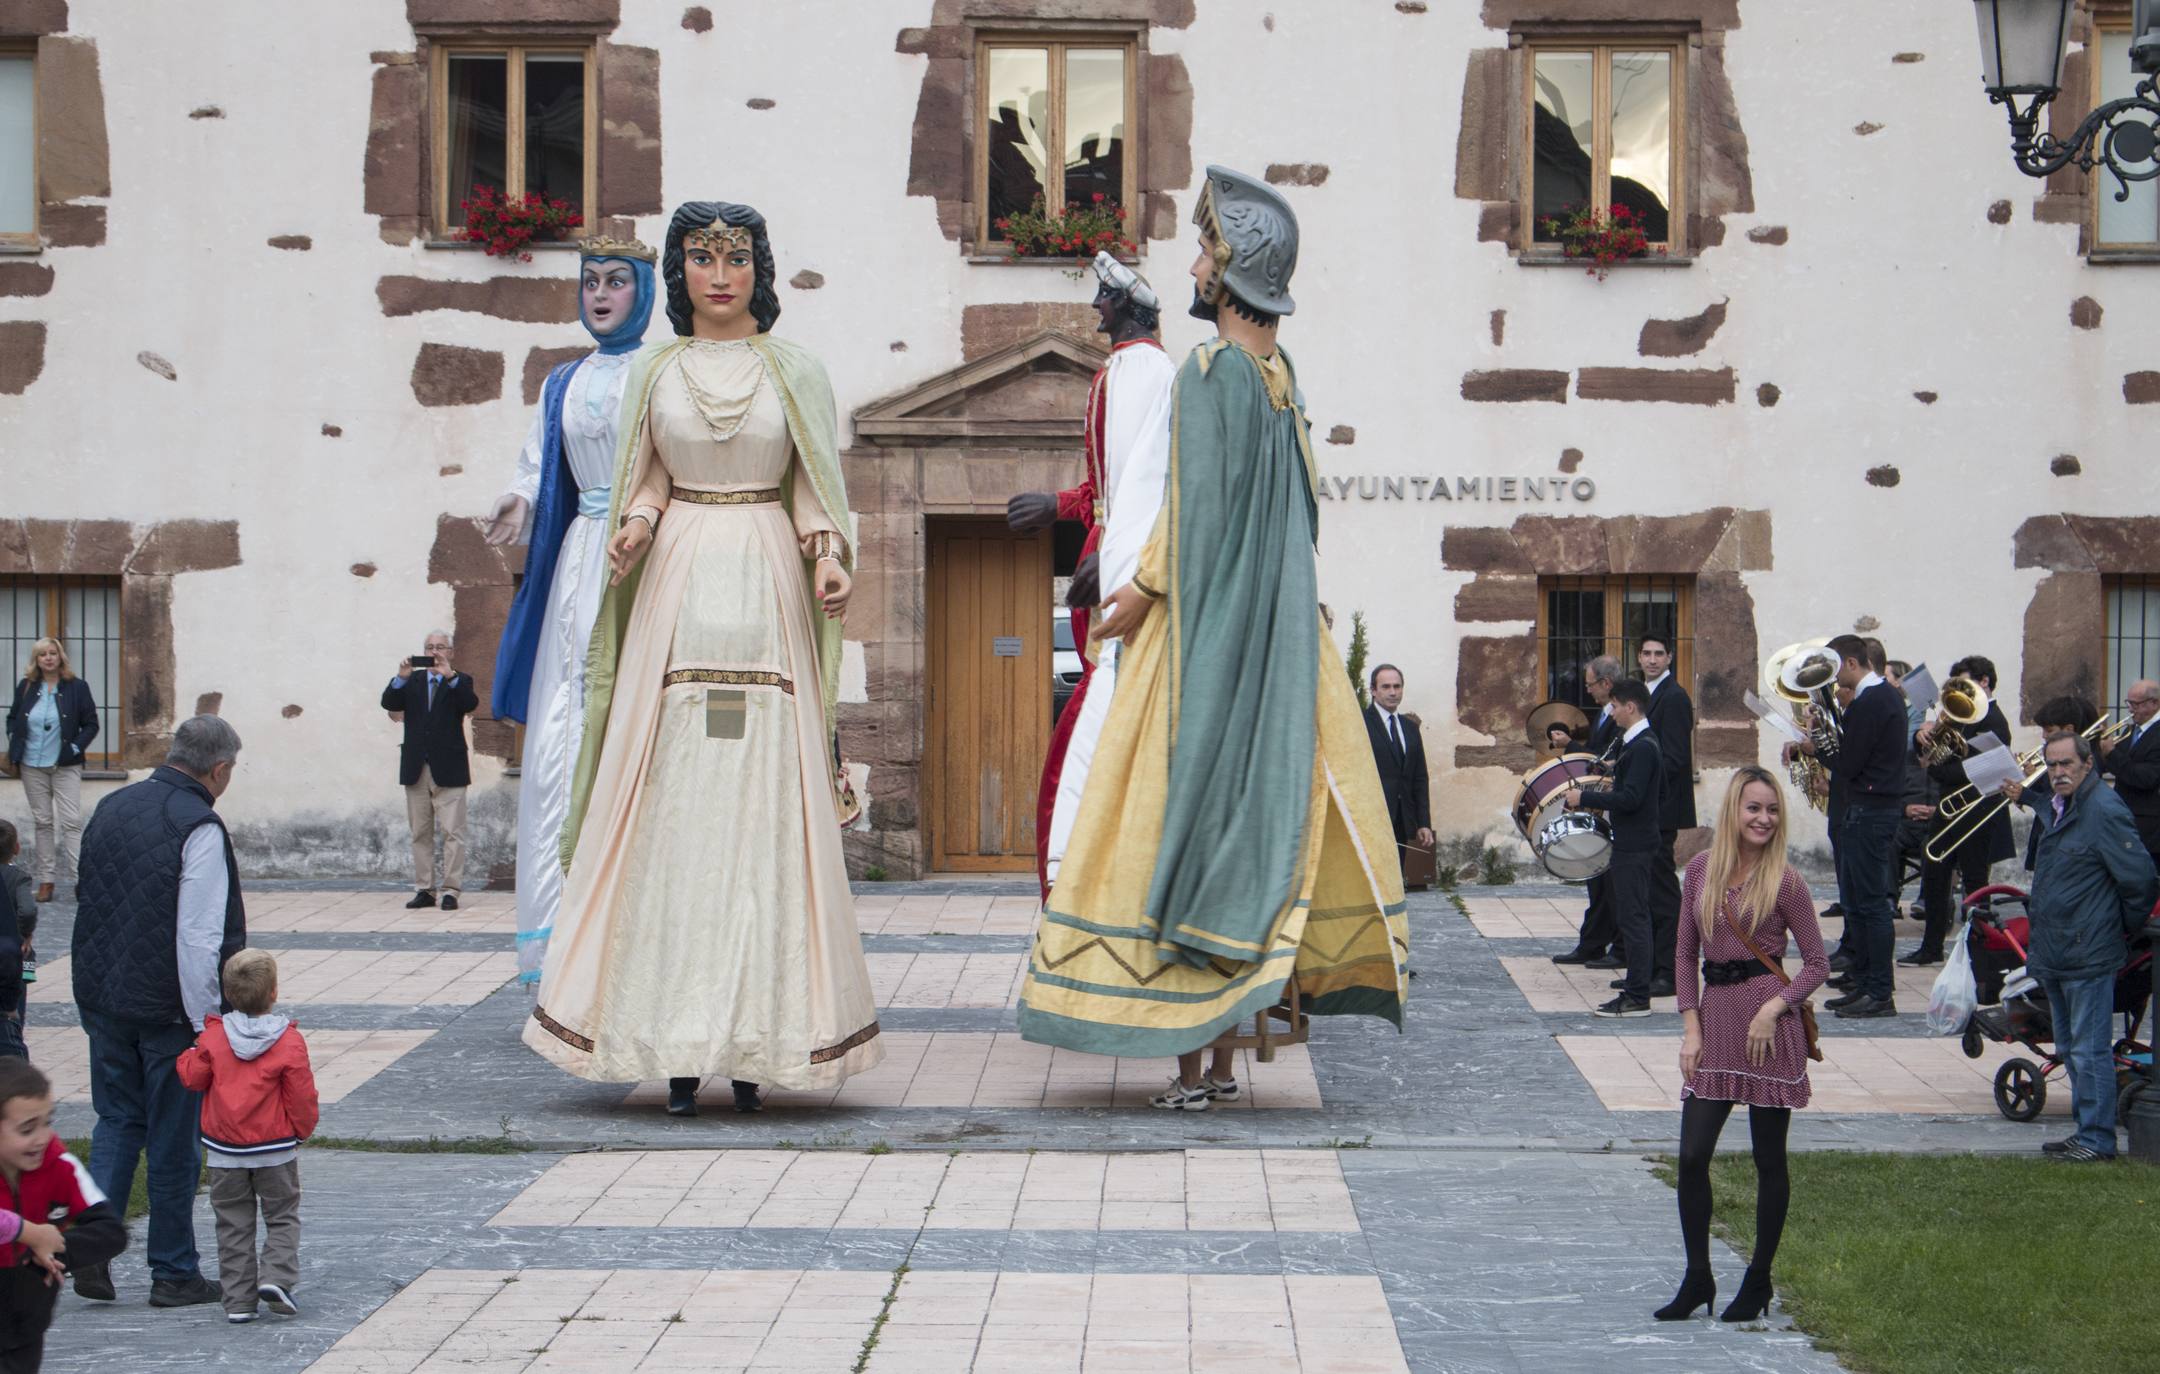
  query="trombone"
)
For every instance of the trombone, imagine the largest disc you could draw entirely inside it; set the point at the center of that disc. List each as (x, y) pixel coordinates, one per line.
(1965, 818)
(1956, 803)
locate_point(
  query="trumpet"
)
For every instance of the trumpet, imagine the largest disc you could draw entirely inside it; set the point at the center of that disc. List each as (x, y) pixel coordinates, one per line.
(1964, 704)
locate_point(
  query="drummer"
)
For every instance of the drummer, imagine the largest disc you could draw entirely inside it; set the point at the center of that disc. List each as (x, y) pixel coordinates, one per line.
(1632, 802)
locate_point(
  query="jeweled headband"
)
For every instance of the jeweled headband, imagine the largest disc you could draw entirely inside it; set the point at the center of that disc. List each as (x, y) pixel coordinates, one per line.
(718, 239)
(608, 247)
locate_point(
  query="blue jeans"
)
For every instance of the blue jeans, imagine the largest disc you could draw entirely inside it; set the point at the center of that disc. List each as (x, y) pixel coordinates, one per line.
(1865, 851)
(2083, 1010)
(141, 1108)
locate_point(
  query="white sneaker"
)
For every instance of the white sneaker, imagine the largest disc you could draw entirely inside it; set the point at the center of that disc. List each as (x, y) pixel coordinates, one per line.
(1180, 1098)
(1220, 1089)
(278, 1300)
(239, 1318)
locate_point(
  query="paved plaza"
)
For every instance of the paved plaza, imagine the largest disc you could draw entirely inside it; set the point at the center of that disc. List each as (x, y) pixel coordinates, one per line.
(1470, 1196)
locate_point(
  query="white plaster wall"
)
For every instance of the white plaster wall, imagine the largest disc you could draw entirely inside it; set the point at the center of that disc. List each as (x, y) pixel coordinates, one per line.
(1893, 281)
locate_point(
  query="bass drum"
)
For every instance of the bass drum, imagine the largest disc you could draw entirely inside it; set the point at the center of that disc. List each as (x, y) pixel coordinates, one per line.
(1573, 846)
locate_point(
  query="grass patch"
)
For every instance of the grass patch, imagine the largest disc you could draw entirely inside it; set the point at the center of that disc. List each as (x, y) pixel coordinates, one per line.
(138, 1202)
(1963, 1264)
(433, 1145)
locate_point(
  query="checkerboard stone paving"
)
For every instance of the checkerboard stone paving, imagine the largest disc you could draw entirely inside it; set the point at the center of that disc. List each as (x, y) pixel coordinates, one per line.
(342, 1059)
(946, 980)
(1859, 1074)
(630, 1321)
(1210, 1190)
(377, 913)
(355, 977)
(999, 1069)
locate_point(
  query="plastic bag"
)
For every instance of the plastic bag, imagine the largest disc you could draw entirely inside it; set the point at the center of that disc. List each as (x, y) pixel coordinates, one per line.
(1955, 994)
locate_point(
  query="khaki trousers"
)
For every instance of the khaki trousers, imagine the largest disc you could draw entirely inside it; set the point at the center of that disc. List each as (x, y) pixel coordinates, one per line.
(55, 797)
(235, 1197)
(436, 810)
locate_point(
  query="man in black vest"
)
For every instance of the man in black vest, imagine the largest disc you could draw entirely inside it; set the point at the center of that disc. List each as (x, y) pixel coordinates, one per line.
(2134, 760)
(1594, 941)
(433, 767)
(159, 914)
(1672, 719)
(1870, 760)
(1632, 802)
(1399, 752)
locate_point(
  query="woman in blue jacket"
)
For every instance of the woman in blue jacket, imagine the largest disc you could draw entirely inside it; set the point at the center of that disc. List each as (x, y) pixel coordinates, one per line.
(50, 723)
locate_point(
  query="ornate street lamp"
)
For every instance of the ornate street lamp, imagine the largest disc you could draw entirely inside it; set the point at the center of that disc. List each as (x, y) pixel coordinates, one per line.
(2021, 53)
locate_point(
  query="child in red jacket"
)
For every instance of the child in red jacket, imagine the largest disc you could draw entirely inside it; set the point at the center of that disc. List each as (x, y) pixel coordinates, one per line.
(52, 1217)
(258, 1105)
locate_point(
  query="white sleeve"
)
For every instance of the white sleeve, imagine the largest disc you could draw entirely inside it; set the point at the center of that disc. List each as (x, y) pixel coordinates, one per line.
(1136, 456)
(526, 484)
(204, 886)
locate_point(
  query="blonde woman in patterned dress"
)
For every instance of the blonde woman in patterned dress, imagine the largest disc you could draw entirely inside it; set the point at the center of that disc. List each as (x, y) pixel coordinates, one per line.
(1744, 1042)
(706, 928)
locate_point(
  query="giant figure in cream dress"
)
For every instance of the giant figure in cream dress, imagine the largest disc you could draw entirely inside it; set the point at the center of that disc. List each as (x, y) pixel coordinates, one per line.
(707, 928)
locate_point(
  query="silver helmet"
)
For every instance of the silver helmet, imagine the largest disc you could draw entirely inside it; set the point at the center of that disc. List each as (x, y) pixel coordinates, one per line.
(1255, 234)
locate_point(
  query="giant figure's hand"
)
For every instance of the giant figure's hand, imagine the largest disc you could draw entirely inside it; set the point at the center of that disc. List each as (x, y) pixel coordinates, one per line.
(834, 586)
(1031, 511)
(628, 547)
(1125, 611)
(504, 522)
(1086, 588)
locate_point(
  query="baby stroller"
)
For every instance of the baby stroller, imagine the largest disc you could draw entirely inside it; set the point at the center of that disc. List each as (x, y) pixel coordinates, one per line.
(2000, 932)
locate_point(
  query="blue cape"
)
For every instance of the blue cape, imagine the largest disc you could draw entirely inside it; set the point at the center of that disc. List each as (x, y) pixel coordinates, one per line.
(556, 506)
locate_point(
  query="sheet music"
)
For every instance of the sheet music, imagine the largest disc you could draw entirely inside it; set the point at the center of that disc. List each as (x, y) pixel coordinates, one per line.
(1771, 716)
(1921, 693)
(1991, 764)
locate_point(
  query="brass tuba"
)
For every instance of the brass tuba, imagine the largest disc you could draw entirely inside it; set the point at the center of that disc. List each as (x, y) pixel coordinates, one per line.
(1809, 678)
(1806, 772)
(1964, 704)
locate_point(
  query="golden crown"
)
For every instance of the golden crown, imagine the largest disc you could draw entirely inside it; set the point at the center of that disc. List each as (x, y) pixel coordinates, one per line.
(718, 238)
(607, 246)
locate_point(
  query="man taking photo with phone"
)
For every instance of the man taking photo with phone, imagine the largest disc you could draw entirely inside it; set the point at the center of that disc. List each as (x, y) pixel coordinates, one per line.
(432, 699)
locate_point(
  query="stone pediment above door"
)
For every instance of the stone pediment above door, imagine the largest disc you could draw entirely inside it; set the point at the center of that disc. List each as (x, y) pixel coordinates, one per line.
(1033, 392)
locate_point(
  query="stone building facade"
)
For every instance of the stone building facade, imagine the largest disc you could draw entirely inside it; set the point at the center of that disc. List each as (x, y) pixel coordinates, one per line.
(253, 394)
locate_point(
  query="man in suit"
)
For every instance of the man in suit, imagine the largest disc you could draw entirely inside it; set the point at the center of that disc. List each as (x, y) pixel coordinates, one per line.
(1672, 719)
(2134, 762)
(1633, 803)
(433, 700)
(1870, 759)
(1593, 943)
(1399, 751)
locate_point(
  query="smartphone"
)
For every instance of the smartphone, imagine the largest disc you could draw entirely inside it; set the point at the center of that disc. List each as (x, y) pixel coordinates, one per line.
(29, 971)
(423, 660)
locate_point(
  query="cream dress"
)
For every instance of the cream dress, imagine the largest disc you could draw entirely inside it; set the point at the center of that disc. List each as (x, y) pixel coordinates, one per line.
(707, 928)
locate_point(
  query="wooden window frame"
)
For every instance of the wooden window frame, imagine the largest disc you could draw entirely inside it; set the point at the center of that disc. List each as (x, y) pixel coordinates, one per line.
(2098, 183)
(2111, 585)
(1056, 41)
(32, 240)
(1615, 587)
(106, 754)
(1602, 46)
(514, 53)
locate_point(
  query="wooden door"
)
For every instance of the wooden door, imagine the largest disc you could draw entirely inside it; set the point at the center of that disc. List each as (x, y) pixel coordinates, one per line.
(988, 629)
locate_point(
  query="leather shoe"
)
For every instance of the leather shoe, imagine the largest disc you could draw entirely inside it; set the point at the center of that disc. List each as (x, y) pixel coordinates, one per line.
(1841, 963)
(746, 1096)
(192, 1291)
(1662, 987)
(1617, 983)
(682, 1096)
(449, 901)
(1605, 961)
(1921, 958)
(94, 1281)
(420, 899)
(1839, 1003)
(1867, 1008)
(44, 893)
(1843, 982)
(1575, 956)
(1834, 909)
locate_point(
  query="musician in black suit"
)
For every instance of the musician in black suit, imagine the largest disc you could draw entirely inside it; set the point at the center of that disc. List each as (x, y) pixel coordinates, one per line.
(1633, 803)
(2134, 760)
(1870, 758)
(1672, 719)
(1594, 942)
(1981, 849)
(432, 700)
(1399, 753)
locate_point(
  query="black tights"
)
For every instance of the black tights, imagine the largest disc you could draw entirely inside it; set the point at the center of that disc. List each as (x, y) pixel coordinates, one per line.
(1701, 1122)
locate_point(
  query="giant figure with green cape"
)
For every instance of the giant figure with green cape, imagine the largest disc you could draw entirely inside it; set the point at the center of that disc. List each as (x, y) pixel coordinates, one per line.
(706, 925)
(1233, 834)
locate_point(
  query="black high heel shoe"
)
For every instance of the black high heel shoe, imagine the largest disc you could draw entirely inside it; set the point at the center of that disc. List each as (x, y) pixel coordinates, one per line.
(1751, 1301)
(1696, 1290)
(682, 1096)
(746, 1096)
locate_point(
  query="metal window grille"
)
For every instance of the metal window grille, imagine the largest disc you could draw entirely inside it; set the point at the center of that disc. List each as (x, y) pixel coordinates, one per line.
(83, 613)
(1583, 617)
(2133, 637)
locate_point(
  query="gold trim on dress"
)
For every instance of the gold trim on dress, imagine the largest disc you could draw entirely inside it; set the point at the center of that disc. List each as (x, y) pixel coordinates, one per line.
(763, 496)
(729, 677)
(562, 1032)
(831, 1052)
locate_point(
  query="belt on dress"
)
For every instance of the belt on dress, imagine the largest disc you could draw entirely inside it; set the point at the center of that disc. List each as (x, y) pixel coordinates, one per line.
(1725, 973)
(763, 496)
(592, 502)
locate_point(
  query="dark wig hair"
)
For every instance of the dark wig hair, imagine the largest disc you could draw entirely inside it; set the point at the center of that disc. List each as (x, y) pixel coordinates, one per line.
(698, 214)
